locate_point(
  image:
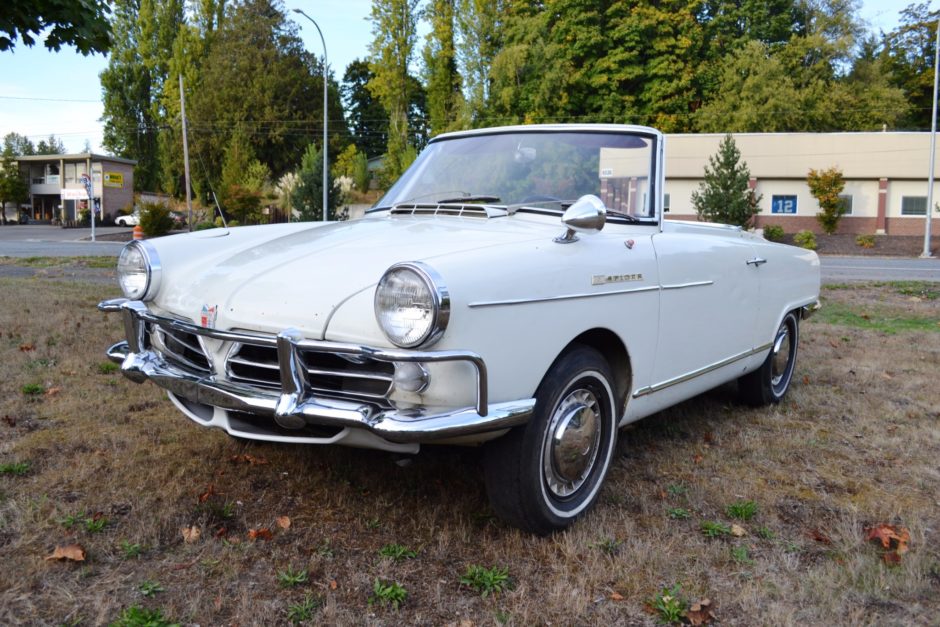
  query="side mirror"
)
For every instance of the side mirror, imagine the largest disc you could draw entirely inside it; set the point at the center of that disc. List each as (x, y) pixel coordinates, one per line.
(587, 215)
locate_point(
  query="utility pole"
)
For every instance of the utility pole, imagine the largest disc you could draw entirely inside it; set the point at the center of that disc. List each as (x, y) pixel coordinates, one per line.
(933, 147)
(189, 200)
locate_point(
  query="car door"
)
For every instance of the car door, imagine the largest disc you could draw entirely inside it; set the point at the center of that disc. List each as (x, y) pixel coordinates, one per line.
(709, 301)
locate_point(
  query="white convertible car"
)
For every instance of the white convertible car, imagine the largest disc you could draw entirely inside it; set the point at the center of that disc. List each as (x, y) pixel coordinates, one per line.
(517, 288)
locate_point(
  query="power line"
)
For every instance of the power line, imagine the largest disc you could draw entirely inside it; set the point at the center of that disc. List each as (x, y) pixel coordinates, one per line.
(46, 99)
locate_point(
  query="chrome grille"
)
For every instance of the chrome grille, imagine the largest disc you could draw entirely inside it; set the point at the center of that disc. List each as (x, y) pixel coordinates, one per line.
(182, 349)
(344, 375)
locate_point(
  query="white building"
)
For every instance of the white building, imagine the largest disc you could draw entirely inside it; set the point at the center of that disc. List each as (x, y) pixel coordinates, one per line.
(885, 177)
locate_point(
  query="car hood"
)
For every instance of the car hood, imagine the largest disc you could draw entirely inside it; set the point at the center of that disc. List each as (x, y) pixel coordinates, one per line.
(298, 276)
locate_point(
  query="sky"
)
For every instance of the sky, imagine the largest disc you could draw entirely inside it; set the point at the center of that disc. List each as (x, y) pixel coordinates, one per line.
(44, 92)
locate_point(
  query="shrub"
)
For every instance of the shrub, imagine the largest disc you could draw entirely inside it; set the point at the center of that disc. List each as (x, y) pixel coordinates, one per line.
(826, 185)
(865, 241)
(202, 226)
(155, 219)
(773, 233)
(805, 239)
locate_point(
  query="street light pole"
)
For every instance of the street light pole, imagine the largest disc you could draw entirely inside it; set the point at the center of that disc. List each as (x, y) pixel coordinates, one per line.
(933, 147)
(325, 77)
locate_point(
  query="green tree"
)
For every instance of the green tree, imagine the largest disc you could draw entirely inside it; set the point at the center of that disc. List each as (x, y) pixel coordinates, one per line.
(132, 85)
(244, 179)
(725, 195)
(444, 99)
(258, 77)
(825, 186)
(18, 145)
(479, 26)
(81, 24)
(908, 58)
(13, 188)
(368, 121)
(50, 146)
(361, 175)
(394, 31)
(307, 197)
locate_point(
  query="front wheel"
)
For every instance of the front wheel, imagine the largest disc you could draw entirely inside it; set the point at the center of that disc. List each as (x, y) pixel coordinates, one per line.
(769, 383)
(542, 476)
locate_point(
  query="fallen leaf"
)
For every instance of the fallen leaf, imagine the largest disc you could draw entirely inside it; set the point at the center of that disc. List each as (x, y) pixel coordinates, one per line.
(190, 534)
(738, 531)
(53, 391)
(805, 379)
(891, 558)
(205, 495)
(698, 459)
(26, 348)
(283, 522)
(260, 534)
(73, 552)
(221, 532)
(616, 596)
(333, 584)
(833, 344)
(700, 613)
(217, 603)
(249, 459)
(819, 536)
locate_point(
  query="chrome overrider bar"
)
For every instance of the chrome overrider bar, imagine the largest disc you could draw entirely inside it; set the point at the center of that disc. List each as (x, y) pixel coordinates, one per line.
(295, 406)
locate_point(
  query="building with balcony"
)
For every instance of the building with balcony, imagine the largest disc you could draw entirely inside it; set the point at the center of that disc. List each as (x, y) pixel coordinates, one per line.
(56, 192)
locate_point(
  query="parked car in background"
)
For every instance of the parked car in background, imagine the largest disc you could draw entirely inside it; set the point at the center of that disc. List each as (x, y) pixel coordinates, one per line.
(517, 288)
(129, 219)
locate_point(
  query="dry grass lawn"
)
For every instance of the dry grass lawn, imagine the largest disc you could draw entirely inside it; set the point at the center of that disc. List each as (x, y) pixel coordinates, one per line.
(89, 458)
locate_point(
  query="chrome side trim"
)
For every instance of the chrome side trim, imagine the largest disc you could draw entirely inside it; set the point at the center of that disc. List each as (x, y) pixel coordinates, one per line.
(697, 373)
(682, 286)
(523, 301)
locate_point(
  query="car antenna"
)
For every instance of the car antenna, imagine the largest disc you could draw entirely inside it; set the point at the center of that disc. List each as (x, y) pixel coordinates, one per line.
(216, 200)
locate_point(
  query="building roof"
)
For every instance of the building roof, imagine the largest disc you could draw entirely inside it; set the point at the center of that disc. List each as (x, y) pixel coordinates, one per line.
(893, 155)
(79, 156)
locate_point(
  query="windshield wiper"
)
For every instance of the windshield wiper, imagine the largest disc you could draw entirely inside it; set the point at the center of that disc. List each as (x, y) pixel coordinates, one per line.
(476, 198)
(629, 218)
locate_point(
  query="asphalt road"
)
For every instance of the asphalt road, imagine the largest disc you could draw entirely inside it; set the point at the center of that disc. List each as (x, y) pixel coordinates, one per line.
(48, 241)
(40, 240)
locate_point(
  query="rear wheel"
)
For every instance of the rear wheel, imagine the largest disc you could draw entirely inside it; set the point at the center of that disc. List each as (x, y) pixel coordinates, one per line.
(542, 476)
(769, 383)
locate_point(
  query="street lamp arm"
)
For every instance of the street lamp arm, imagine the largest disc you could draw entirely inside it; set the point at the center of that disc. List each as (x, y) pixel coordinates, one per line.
(326, 66)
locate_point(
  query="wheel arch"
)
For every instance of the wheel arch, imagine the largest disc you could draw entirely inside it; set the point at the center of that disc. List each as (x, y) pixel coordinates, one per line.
(614, 351)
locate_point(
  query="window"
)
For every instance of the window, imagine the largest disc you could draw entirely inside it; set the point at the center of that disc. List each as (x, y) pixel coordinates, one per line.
(665, 203)
(783, 204)
(913, 205)
(846, 200)
(69, 173)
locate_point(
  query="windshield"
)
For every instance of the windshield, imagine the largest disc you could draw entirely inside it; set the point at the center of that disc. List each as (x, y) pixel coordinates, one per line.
(542, 169)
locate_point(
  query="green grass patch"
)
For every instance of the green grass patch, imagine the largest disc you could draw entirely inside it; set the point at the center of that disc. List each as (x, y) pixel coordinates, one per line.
(32, 389)
(874, 319)
(17, 469)
(397, 552)
(487, 581)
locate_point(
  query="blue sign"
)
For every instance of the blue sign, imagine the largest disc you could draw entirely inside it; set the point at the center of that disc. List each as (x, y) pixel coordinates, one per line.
(783, 204)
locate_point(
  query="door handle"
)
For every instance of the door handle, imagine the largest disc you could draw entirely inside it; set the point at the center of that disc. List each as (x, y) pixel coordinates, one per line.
(756, 261)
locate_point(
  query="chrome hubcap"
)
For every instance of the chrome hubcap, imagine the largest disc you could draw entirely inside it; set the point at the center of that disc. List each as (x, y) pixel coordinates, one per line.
(782, 348)
(572, 442)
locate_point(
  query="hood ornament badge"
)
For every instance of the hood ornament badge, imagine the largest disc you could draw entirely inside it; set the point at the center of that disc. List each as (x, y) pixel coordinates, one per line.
(208, 315)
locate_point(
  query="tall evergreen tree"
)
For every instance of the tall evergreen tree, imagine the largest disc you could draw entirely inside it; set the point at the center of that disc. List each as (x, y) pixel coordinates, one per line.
(368, 122)
(724, 194)
(13, 188)
(307, 194)
(444, 98)
(394, 31)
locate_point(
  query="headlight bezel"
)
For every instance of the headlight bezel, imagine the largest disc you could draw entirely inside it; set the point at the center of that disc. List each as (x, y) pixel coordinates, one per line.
(152, 268)
(439, 300)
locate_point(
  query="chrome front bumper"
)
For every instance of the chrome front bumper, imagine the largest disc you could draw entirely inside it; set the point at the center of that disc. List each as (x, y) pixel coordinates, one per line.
(295, 406)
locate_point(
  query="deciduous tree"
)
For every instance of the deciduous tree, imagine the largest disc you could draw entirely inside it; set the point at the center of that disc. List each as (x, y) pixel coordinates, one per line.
(81, 24)
(13, 188)
(825, 186)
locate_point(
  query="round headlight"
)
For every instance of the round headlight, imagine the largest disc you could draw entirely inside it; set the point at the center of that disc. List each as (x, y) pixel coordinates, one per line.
(138, 271)
(412, 305)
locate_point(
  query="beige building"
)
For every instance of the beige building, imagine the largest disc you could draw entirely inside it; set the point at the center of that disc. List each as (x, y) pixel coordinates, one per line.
(885, 177)
(55, 184)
